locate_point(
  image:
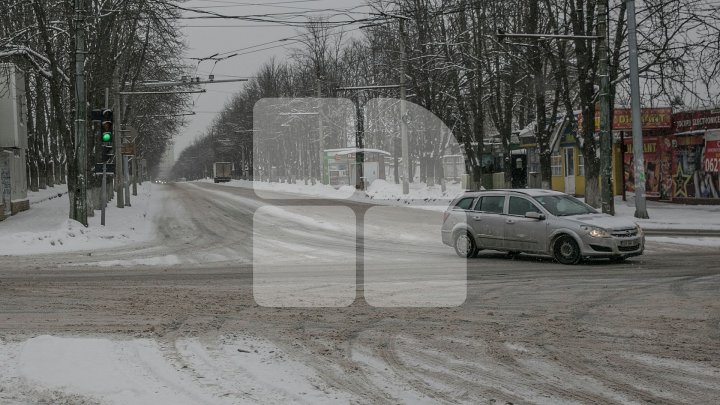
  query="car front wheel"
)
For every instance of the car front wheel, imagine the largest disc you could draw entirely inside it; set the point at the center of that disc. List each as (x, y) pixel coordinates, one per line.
(566, 250)
(465, 245)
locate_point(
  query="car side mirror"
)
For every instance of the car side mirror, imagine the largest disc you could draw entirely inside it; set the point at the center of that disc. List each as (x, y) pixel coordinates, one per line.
(535, 215)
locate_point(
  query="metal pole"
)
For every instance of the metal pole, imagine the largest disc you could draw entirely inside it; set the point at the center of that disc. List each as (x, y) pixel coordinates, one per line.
(80, 214)
(134, 175)
(117, 142)
(359, 145)
(103, 196)
(403, 113)
(321, 133)
(126, 174)
(103, 187)
(639, 162)
(606, 185)
(622, 154)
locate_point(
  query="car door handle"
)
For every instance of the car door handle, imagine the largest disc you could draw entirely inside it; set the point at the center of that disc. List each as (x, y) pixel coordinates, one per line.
(477, 218)
(510, 221)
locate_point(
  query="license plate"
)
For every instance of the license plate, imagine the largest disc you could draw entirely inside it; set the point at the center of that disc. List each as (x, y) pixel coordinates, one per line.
(628, 243)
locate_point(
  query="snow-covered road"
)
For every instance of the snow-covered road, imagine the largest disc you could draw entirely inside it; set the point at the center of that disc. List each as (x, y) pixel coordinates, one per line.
(178, 318)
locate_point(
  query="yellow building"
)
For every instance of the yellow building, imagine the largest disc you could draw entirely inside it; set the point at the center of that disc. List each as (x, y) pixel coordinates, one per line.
(568, 163)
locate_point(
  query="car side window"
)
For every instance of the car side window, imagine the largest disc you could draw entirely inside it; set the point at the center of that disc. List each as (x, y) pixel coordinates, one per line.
(492, 204)
(465, 203)
(520, 206)
(477, 204)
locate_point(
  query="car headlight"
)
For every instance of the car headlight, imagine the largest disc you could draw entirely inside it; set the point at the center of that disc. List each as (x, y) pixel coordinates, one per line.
(639, 230)
(595, 232)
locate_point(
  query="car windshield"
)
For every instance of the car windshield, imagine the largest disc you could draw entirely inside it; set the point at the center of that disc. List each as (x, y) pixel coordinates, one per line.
(564, 205)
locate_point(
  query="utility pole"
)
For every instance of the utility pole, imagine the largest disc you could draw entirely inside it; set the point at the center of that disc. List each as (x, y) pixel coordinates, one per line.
(359, 144)
(81, 204)
(403, 113)
(117, 140)
(126, 176)
(321, 133)
(639, 161)
(134, 174)
(608, 201)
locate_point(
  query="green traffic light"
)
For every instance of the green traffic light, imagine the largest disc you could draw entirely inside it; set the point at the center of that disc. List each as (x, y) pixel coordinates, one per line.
(107, 137)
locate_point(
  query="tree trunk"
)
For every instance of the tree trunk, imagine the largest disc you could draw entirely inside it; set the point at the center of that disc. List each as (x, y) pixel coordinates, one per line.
(32, 155)
(41, 133)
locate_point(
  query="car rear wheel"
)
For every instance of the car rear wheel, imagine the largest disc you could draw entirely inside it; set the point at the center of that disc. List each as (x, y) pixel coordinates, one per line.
(465, 245)
(566, 250)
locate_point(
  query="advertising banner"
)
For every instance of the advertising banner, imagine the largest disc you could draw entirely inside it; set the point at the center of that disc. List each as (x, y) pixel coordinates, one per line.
(711, 158)
(696, 120)
(652, 167)
(690, 177)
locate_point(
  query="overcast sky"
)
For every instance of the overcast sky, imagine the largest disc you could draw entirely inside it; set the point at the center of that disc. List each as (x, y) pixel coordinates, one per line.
(206, 37)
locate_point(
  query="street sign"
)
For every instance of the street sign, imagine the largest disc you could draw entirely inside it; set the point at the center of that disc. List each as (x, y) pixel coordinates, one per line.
(110, 168)
(128, 149)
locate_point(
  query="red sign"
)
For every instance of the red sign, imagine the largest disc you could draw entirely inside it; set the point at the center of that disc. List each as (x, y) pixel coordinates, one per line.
(711, 159)
(696, 120)
(652, 118)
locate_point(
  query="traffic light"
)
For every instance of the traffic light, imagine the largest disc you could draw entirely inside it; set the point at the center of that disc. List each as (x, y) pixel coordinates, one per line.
(107, 126)
(106, 136)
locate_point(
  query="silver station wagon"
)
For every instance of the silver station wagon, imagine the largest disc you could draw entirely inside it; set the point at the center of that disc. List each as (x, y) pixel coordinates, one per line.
(540, 222)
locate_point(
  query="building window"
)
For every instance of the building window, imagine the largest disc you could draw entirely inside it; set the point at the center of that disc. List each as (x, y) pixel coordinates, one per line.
(581, 165)
(556, 164)
(533, 161)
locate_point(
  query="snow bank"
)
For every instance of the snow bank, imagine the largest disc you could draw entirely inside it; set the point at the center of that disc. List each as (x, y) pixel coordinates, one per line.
(380, 192)
(662, 215)
(46, 229)
(672, 216)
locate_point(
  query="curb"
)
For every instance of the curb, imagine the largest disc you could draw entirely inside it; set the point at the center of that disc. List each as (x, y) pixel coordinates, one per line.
(682, 232)
(51, 197)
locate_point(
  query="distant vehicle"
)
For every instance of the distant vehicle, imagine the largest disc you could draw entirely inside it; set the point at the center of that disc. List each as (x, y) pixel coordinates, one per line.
(182, 179)
(539, 222)
(222, 172)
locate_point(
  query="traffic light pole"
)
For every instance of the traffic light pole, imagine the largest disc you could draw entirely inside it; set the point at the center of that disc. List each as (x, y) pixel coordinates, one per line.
(103, 187)
(103, 192)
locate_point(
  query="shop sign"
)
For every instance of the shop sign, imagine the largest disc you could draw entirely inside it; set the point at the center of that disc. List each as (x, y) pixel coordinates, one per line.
(652, 118)
(697, 120)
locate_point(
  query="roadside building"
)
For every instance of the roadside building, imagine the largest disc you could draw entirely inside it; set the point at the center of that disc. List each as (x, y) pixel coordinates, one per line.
(656, 127)
(341, 166)
(693, 148)
(568, 162)
(13, 142)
